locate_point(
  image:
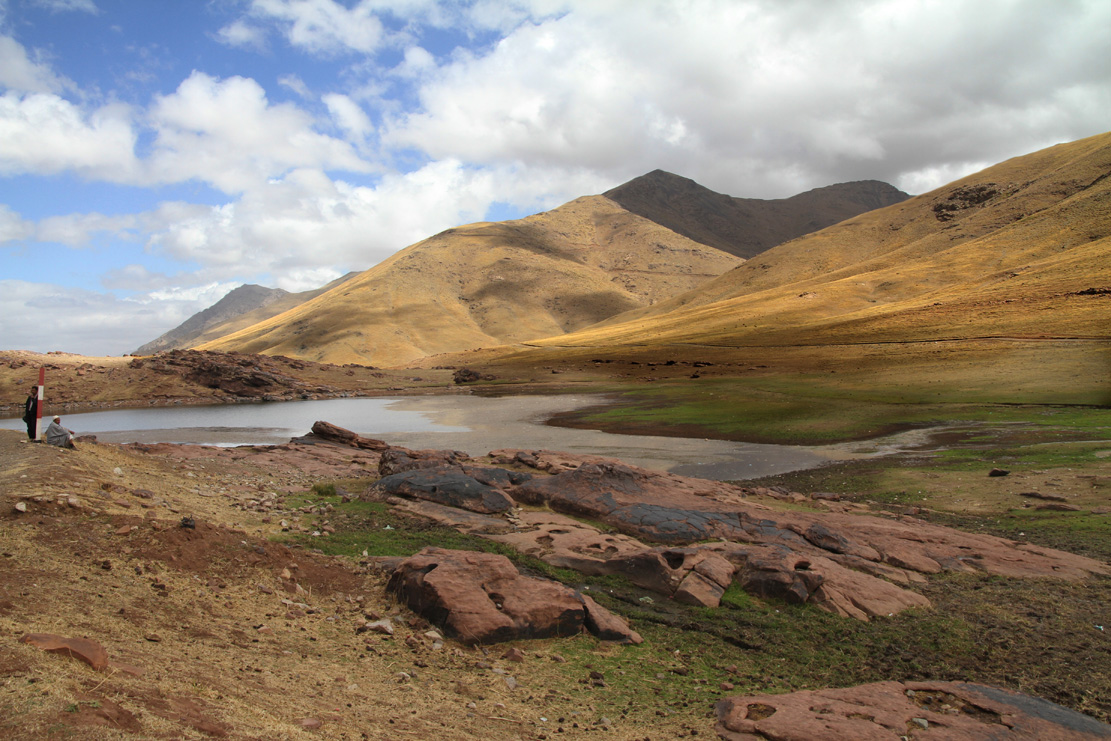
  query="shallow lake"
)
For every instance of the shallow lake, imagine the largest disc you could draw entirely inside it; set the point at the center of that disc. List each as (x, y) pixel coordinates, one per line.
(472, 424)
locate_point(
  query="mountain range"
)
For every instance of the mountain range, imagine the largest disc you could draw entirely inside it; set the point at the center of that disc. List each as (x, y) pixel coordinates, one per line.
(496, 283)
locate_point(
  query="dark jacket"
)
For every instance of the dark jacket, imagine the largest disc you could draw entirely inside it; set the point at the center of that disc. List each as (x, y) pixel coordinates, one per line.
(31, 408)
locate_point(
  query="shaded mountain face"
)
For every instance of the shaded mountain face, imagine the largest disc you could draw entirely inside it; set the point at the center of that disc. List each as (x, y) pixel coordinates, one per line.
(237, 302)
(745, 227)
(1019, 250)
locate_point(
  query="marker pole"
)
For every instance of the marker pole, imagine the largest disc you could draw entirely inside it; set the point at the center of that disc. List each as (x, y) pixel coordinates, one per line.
(38, 407)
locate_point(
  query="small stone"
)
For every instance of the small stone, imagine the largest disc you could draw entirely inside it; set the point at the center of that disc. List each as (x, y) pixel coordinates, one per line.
(311, 723)
(921, 723)
(727, 686)
(382, 627)
(515, 655)
(511, 683)
(996, 472)
(21, 506)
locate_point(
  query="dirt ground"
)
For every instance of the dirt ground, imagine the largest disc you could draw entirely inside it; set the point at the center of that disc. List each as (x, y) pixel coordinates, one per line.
(220, 633)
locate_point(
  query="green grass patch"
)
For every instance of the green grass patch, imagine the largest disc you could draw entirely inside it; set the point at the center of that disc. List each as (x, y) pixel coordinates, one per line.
(800, 409)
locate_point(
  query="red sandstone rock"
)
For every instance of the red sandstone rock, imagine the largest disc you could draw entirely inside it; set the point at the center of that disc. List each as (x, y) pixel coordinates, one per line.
(82, 649)
(482, 598)
(332, 433)
(883, 711)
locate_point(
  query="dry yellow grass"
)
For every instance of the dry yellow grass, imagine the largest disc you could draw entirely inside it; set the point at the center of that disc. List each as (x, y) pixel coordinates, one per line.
(1005, 252)
(490, 284)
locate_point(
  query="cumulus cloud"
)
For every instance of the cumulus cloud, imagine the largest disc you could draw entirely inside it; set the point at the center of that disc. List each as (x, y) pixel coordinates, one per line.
(12, 226)
(767, 98)
(81, 321)
(226, 133)
(44, 134)
(19, 72)
(308, 222)
(324, 26)
(78, 230)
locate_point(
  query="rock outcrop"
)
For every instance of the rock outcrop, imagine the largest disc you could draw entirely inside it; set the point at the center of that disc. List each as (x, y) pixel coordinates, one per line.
(481, 598)
(956, 711)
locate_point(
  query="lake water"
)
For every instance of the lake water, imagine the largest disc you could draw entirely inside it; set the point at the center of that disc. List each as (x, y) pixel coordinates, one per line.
(472, 424)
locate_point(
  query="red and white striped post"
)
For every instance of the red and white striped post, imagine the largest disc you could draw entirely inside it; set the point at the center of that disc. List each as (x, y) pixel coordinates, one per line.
(38, 407)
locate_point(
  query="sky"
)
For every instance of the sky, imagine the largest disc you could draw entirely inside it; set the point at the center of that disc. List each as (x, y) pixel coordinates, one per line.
(156, 155)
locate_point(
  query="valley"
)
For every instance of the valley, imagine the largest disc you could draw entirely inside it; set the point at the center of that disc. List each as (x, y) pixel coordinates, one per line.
(241, 592)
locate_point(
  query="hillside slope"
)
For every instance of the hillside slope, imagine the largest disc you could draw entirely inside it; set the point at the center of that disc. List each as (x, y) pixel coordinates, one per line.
(1020, 249)
(746, 226)
(489, 284)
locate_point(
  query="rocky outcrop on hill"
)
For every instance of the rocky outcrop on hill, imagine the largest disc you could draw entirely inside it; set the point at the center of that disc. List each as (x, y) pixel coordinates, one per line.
(957, 711)
(264, 377)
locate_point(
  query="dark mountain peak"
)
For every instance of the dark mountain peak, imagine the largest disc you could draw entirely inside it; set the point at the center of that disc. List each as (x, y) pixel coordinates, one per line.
(746, 226)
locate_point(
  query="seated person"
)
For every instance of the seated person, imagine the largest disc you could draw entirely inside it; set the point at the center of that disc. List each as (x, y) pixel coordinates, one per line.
(58, 435)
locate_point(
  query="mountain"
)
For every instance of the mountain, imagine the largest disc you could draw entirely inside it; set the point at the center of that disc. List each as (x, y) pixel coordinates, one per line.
(490, 284)
(1019, 250)
(241, 307)
(745, 227)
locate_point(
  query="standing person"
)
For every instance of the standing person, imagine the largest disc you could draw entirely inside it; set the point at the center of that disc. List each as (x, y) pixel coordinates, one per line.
(58, 435)
(31, 412)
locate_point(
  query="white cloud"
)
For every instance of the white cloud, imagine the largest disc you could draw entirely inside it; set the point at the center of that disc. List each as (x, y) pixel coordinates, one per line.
(62, 6)
(19, 72)
(243, 35)
(349, 116)
(226, 133)
(77, 230)
(296, 84)
(12, 226)
(44, 134)
(324, 26)
(766, 98)
(307, 222)
(83, 321)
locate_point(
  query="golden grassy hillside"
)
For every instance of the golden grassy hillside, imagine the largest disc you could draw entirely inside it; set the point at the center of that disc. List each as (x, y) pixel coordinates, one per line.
(491, 284)
(1020, 249)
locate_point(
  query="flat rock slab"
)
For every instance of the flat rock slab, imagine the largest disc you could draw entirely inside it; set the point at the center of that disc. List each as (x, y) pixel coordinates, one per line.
(445, 486)
(82, 649)
(670, 509)
(887, 711)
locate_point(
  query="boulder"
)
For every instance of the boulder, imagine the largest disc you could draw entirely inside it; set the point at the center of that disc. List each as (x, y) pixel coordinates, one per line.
(332, 433)
(481, 598)
(956, 711)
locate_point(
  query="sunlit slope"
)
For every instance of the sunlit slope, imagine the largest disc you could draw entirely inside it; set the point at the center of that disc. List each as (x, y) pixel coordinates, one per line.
(490, 284)
(1020, 249)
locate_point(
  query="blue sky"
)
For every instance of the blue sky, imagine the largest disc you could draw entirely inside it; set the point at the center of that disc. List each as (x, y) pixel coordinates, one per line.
(155, 155)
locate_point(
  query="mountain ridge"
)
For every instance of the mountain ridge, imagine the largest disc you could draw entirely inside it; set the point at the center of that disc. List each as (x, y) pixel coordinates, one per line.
(745, 227)
(634, 254)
